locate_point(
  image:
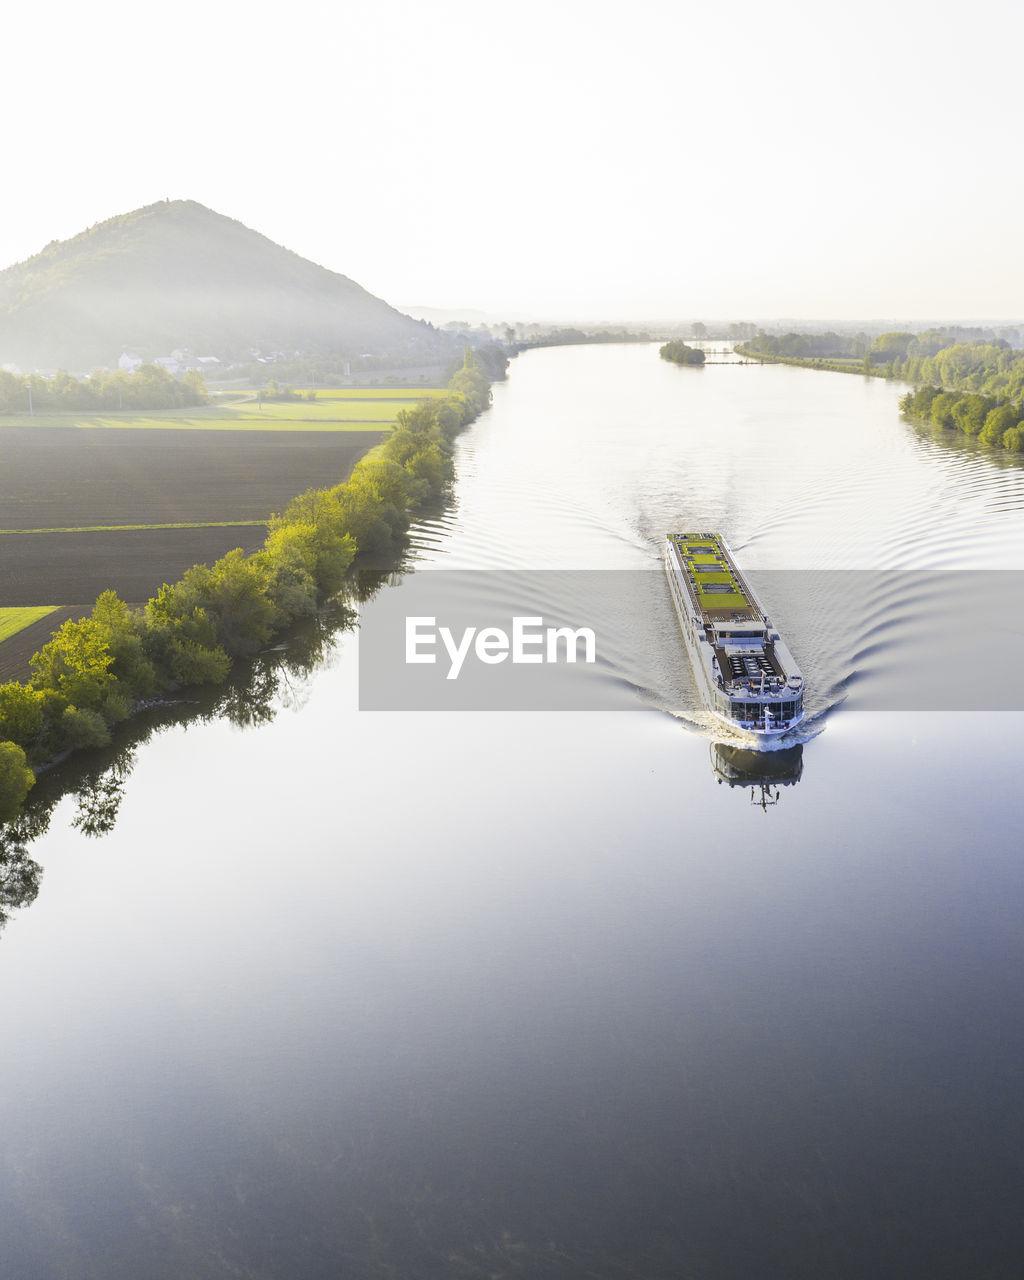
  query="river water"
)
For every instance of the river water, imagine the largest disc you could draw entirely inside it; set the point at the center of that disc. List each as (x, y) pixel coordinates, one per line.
(552, 994)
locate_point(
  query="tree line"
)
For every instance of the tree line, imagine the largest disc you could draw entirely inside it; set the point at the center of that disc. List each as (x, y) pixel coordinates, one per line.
(93, 671)
(679, 353)
(285, 394)
(992, 421)
(969, 380)
(934, 355)
(148, 387)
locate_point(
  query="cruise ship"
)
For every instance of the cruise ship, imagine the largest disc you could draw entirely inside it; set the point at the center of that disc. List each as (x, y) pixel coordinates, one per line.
(746, 675)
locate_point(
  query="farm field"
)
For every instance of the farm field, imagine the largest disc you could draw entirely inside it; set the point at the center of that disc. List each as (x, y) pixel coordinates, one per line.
(68, 493)
(13, 620)
(376, 393)
(72, 478)
(333, 410)
(73, 568)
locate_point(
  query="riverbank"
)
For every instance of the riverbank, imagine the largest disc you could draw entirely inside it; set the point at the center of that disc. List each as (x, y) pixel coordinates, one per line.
(94, 670)
(831, 364)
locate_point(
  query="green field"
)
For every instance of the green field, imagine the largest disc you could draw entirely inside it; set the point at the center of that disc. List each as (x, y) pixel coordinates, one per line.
(14, 620)
(376, 393)
(343, 409)
(122, 528)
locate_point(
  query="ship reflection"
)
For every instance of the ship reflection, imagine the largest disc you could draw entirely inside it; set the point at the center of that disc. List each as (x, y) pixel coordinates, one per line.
(764, 772)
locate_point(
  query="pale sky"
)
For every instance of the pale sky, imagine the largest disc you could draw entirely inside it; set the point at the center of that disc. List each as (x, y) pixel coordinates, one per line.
(592, 160)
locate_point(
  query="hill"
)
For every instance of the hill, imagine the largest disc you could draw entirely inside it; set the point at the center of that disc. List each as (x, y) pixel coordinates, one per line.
(178, 275)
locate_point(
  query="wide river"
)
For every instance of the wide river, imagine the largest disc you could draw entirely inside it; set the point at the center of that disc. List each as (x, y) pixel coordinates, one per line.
(540, 994)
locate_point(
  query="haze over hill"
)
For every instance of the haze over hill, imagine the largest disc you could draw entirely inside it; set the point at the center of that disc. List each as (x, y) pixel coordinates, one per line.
(178, 275)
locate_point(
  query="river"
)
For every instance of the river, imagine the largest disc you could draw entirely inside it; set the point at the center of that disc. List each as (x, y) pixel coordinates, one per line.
(512, 993)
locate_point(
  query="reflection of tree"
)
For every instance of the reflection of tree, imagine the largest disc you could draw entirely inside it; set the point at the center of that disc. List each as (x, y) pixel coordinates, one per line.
(32, 822)
(368, 582)
(99, 796)
(19, 877)
(249, 701)
(315, 638)
(275, 678)
(97, 778)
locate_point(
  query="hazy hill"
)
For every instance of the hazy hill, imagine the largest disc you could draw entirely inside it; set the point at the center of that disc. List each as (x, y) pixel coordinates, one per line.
(177, 275)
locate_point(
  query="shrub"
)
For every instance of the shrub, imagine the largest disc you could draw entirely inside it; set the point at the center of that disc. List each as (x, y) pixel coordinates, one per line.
(84, 727)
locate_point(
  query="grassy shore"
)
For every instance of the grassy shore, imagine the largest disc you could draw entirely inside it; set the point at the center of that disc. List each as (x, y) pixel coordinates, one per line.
(831, 364)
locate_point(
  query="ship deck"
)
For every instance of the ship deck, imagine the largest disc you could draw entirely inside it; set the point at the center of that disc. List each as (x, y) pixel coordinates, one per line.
(736, 670)
(719, 588)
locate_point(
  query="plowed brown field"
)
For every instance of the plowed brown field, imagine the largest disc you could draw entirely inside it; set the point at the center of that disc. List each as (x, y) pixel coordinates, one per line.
(60, 478)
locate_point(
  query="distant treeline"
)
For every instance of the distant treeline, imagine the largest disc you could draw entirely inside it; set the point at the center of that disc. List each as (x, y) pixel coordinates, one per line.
(285, 394)
(679, 353)
(948, 358)
(334, 371)
(987, 418)
(973, 379)
(149, 387)
(570, 337)
(806, 346)
(879, 352)
(93, 671)
(490, 357)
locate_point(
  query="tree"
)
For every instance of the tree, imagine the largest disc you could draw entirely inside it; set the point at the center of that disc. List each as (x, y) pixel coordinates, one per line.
(679, 353)
(388, 480)
(290, 557)
(890, 346)
(373, 523)
(238, 603)
(997, 422)
(16, 780)
(420, 419)
(75, 663)
(969, 414)
(315, 530)
(84, 727)
(942, 408)
(699, 330)
(124, 631)
(21, 713)
(195, 663)
(181, 636)
(196, 385)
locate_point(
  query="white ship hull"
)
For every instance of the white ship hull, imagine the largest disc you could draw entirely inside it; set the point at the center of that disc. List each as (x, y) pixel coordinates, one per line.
(746, 675)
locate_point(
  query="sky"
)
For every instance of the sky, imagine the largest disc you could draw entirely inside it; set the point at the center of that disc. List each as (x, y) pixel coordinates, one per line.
(559, 160)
